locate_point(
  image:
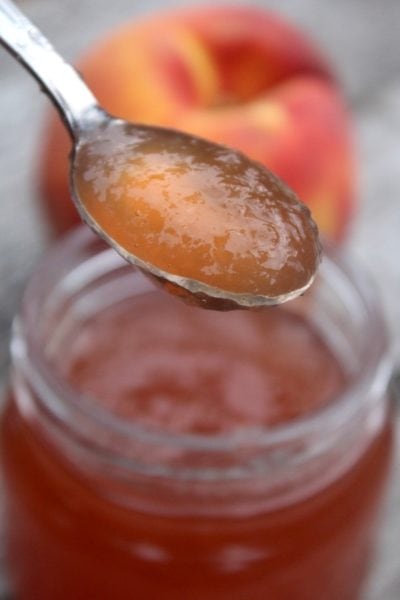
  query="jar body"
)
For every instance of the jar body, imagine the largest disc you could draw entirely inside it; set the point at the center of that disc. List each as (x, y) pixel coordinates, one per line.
(66, 541)
(79, 528)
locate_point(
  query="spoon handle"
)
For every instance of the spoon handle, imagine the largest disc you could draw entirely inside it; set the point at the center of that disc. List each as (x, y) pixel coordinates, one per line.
(73, 99)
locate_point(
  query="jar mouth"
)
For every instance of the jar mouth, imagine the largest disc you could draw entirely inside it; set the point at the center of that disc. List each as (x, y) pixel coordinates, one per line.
(67, 405)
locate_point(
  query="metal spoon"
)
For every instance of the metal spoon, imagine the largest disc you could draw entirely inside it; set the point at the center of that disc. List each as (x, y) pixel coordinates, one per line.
(88, 124)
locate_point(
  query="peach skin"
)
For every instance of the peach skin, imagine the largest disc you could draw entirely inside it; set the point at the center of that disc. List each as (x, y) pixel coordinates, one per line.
(240, 76)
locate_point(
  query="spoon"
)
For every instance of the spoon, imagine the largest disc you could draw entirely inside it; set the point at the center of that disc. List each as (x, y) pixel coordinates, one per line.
(209, 224)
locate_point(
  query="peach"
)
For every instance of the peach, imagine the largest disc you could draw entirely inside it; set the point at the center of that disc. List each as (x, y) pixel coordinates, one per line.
(240, 76)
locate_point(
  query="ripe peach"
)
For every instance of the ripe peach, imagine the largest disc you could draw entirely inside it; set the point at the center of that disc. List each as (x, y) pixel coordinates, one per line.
(236, 75)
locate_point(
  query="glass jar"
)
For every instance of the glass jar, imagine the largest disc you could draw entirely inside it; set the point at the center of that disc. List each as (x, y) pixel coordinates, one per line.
(98, 506)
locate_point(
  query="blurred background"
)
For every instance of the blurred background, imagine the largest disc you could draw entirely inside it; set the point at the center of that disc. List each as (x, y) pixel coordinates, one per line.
(361, 39)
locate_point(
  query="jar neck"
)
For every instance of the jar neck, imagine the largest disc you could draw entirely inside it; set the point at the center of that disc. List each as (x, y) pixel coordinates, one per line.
(284, 463)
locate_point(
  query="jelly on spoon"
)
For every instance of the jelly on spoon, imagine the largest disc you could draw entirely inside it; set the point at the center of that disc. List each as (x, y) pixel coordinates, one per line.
(214, 227)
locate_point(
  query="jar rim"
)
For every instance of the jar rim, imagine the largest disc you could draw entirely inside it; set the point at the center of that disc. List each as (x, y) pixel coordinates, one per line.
(374, 371)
